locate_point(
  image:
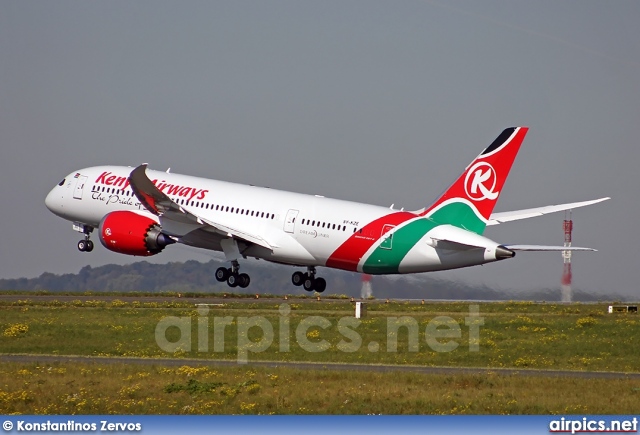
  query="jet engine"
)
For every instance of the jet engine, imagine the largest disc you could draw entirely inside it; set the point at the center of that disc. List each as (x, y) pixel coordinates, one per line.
(131, 233)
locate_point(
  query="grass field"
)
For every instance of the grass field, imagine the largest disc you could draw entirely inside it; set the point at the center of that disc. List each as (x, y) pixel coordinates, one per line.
(132, 389)
(518, 335)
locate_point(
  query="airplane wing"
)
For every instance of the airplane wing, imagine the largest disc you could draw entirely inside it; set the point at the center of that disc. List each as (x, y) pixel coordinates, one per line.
(158, 203)
(507, 216)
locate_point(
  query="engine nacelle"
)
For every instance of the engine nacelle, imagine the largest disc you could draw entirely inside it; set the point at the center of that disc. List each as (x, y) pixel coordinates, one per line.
(130, 233)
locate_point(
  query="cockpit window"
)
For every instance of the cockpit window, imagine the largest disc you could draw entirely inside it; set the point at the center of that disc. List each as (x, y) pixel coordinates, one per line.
(62, 182)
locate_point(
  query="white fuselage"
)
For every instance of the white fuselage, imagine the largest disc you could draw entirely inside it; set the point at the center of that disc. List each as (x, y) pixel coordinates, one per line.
(302, 229)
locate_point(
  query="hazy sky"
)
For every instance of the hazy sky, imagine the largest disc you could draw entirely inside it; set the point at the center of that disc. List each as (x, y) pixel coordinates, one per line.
(379, 102)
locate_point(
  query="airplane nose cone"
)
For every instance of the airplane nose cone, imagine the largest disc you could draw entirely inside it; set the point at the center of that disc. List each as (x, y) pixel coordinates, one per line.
(48, 201)
(53, 201)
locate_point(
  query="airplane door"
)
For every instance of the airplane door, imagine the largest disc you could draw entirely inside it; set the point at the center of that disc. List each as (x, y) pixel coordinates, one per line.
(290, 220)
(77, 193)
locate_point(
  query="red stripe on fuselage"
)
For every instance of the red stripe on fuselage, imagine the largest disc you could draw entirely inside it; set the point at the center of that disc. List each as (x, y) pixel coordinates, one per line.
(348, 255)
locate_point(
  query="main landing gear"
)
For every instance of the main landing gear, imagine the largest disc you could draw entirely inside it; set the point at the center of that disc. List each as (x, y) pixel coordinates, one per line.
(85, 245)
(232, 277)
(309, 281)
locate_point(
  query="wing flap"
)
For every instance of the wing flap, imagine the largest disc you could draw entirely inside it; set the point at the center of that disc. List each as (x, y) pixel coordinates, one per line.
(161, 205)
(508, 216)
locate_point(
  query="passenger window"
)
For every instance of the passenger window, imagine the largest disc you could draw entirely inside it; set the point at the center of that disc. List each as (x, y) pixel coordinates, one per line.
(334, 227)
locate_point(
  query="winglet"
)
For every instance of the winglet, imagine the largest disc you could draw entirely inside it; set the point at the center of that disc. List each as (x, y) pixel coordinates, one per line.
(146, 192)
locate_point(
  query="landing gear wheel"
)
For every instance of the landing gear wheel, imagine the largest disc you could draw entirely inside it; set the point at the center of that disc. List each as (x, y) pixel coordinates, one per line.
(244, 280)
(309, 283)
(233, 280)
(89, 246)
(297, 278)
(82, 246)
(319, 285)
(222, 273)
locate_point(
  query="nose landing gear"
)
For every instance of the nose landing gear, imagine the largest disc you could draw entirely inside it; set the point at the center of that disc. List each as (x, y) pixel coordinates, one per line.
(85, 245)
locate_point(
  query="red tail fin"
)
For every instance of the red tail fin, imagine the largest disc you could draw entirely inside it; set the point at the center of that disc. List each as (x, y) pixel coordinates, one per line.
(481, 183)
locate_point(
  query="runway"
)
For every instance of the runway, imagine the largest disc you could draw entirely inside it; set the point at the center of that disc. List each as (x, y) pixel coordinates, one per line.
(232, 298)
(24, 358)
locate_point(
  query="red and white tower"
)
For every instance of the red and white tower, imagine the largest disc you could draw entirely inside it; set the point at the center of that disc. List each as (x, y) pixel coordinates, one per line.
(566, 294)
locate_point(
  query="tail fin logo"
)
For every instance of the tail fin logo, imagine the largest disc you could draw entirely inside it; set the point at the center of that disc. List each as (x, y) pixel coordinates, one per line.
(480, 182)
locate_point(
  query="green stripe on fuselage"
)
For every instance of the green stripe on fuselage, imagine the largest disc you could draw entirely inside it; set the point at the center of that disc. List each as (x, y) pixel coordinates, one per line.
(386, 261)
(461, 215)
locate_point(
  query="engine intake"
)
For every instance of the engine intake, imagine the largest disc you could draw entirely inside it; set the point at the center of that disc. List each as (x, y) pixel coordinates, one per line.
(131, 233)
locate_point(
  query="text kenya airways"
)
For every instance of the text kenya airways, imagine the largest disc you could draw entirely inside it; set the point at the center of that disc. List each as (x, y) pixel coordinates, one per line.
(108, 179)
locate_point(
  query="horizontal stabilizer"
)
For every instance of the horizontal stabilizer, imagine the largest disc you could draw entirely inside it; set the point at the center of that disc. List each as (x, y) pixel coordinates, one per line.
(545, 248)
(508, 216)
(452, 245)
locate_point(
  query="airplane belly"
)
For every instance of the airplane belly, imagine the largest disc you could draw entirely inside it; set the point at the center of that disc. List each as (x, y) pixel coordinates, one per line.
(286, 249)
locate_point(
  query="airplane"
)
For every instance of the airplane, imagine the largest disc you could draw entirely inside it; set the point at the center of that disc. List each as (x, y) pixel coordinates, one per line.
(139, 212)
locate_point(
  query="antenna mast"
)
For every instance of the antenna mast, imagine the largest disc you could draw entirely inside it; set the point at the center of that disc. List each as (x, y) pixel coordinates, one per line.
(566, 294)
